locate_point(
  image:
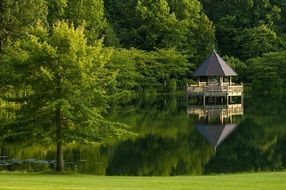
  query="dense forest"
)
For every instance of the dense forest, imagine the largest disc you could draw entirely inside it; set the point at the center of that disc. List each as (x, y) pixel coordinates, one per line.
(155, 45)
(64, 61)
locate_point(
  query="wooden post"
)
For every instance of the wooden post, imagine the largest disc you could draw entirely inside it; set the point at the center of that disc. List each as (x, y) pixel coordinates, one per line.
(230, 80)
(204, 100)
(241, 99)
(221, 80)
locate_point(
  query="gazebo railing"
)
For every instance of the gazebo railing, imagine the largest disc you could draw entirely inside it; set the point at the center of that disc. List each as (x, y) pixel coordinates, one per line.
(237, 89)
(215, 88)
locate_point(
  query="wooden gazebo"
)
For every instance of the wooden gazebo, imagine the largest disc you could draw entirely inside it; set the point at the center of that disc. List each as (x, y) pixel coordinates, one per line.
(215, 80)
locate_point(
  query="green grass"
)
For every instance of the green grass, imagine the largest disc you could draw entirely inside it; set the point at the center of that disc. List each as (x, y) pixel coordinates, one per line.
(253, 181)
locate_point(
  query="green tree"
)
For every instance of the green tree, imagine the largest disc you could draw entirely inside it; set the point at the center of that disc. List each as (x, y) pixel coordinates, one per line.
(239, 67)
(267, 73)
(15, 20)
(65, 86)
(56, 10)
(151, 25)
(140, 70)
(89, 13)
(196, 27)
(246, 13)
(242, 24)
(253, 42)
(128, 77)
(282, 5)
(17, 16)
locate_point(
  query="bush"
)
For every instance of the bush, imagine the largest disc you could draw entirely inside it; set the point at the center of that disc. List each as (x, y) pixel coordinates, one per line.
(172, 85)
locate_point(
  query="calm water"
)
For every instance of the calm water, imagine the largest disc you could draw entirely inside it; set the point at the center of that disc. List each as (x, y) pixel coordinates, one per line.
(177, 138)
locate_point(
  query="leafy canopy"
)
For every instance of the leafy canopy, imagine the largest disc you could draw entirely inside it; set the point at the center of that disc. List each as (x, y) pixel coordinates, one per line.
(64, 84)
(162, 24)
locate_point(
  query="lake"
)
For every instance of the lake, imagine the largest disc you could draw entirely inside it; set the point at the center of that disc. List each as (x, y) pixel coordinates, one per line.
(176, 137)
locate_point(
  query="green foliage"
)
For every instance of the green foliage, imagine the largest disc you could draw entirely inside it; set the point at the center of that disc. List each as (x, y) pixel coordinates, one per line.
(239, 67)
(7, 114)
(199, 33)
(245, 13)
(266, 83)
(56, 10)
(172, 85)
(139, 70)
(16, 17)
(255, 41)
(89, 13)
(56, 78)
(123, 63)
(150, 25)
(281, 23)
(268, 73)
(65, 84)
(244, 28)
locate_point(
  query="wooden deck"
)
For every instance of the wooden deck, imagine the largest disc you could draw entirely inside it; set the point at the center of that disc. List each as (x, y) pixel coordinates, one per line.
(215, 90)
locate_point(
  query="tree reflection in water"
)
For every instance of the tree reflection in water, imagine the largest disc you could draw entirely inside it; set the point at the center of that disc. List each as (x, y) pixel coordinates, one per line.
(172, 142)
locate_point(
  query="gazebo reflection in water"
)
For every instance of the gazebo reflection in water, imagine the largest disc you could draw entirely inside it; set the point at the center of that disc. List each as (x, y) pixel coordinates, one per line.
(215, 100)
(216, 122)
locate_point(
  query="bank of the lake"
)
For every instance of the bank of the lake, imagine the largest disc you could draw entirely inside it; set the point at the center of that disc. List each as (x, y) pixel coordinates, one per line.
(250, 181)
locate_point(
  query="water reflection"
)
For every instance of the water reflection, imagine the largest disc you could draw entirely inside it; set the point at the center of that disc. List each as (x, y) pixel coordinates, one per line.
(216, 122)
(175, 139)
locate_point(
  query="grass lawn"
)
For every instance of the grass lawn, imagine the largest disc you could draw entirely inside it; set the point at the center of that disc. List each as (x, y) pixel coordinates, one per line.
(265, 181)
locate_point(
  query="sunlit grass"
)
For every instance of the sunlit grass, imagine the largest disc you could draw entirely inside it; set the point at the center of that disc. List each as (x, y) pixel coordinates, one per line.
(253, 181)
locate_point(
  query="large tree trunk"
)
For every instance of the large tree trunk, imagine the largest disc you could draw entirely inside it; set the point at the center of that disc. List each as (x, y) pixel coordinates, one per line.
(60, 160)
(59, 128)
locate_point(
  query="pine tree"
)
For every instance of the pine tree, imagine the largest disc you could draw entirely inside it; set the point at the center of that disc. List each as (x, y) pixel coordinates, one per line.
(64, 87)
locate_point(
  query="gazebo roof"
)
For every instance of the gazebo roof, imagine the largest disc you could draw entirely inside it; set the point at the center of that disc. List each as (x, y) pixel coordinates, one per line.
(214, 65)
